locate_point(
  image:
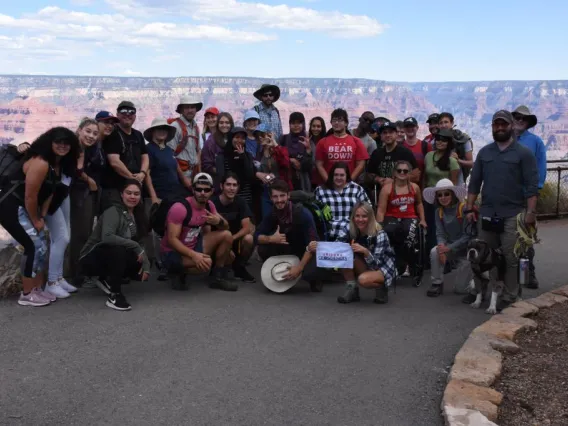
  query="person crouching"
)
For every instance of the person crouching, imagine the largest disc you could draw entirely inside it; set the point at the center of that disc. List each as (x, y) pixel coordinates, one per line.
(374, 259)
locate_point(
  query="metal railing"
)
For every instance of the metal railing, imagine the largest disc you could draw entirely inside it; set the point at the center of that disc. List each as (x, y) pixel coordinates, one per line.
(553, 198)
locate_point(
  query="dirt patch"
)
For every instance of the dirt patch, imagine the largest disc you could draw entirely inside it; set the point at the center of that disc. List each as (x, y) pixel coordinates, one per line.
(534, 381)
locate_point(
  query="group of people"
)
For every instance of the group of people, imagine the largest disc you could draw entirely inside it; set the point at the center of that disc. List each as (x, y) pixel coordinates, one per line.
(190, 200)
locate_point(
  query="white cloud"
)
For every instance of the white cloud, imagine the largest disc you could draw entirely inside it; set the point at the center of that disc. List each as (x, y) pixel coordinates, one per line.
(188, 32)
(131, 73)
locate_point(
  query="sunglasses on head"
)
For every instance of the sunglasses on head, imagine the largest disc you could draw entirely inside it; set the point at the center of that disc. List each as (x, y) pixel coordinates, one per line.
(127, 111)
(444, 194)
(402, 171)
(206, 190)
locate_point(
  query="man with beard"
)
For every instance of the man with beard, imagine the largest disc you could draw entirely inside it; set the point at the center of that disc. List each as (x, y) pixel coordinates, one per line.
(289, 230)
(524, 121)
(363, 131)
(268, 95)
(381, 164)
(509, 175)
(126, 153)
(190, 243)
(418, 148)
(237, 212)
(186, 141)
(340, 146)
(433, 120)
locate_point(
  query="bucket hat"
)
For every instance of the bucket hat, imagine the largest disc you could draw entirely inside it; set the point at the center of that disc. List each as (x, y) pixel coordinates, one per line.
(444, 184)
(265, 88)
(526, 113)
(160, 123)
(189, 100)
(273, 271)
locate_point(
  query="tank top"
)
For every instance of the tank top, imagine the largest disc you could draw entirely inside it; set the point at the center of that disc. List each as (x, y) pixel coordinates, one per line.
(401, 206)
(46, 190)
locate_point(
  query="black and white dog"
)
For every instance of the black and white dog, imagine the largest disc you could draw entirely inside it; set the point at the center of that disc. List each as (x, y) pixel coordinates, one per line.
(488, 266)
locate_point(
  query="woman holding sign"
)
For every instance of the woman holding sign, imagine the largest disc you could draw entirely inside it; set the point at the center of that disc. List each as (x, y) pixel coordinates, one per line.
(374, 259)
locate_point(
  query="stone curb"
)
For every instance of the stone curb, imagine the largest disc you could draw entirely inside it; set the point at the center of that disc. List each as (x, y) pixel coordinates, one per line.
(469, 399)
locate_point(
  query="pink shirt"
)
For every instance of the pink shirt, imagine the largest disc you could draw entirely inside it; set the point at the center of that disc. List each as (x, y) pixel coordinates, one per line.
(190, 234)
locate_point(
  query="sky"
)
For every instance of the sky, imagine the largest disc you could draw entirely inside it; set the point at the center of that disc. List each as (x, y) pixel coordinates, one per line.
(403, 40)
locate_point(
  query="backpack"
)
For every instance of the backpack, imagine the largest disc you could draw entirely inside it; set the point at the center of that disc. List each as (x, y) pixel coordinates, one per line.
(11, 162)
(320, 212)
(159, 214)
(184, 135)
(424, 148)
(257, 109)
(463, 138)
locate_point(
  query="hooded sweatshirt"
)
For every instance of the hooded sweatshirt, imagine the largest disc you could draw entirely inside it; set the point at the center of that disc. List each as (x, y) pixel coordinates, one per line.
(450, 230)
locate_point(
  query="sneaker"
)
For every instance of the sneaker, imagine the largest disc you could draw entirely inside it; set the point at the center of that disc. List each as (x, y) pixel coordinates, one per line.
(56, 290)
(118, 302)
(179, 282)
(90, 283)
(45, 294)
(103, 285)
(163, 275)
(66, 286)
(242, 273)
(406, 272)
(219, 283)
(33, 298)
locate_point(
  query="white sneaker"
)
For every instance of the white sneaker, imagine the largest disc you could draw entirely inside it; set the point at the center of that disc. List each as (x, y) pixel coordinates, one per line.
(66, 286)
(57, 290)
(406, 272)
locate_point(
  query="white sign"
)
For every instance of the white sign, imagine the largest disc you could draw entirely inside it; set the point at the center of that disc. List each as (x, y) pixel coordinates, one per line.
(334, 255)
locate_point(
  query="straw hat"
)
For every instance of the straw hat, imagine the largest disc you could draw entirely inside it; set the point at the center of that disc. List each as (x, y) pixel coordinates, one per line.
(160, 123)
(444, 184)
(273, 271)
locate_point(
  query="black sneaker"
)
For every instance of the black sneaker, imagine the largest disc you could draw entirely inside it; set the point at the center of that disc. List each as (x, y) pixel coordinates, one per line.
(179, 282)
(118, 302)
(103, 285)
(219, 283)
(163, 275)
(242, 273)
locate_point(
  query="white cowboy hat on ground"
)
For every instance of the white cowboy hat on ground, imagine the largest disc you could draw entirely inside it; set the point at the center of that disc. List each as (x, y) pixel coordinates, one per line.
(444, 184)
(273, 271)
(190, 100)
(160, 122)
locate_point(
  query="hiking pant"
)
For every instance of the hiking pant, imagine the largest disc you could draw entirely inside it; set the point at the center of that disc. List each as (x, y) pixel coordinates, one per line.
(403, 234)
(111, 263)
(58, 226)
(457, 261)
(84, 207)
(506, 241)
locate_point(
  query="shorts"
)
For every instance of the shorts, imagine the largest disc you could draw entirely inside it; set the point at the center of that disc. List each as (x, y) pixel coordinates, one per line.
(172, 261)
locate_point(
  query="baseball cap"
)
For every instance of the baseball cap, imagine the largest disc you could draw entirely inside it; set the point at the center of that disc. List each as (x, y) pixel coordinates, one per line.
(126, 105)
(263, 128)
(251, 113)
(410, 121)
(212, 110)
(433, 118)
(106, 116)
(238, 129)
(203, 178)
(387, 125)
(503, 115)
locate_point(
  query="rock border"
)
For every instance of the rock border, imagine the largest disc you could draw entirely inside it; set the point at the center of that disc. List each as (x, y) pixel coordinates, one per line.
(468, 398)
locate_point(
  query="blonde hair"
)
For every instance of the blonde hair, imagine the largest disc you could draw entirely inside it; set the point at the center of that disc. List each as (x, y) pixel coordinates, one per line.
(87, 121)
(373, 227)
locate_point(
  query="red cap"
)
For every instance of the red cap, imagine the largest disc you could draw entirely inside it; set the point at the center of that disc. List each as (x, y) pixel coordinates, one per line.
(212, 110)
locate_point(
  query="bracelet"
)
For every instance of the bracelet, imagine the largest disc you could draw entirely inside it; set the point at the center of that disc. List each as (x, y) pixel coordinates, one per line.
(142, 171)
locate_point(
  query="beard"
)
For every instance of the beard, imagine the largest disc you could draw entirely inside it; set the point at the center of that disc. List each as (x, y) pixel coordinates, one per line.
(502, 136)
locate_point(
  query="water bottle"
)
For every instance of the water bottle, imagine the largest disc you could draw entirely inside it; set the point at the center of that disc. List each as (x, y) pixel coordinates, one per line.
(523, 270)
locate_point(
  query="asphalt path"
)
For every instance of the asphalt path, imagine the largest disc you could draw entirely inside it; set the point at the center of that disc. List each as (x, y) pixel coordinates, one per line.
(207, 357)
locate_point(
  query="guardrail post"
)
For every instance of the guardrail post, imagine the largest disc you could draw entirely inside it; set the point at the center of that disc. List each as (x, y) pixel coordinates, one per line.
(558, 170)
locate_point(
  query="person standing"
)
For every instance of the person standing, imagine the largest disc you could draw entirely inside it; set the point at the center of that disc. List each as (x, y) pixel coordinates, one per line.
(433, 120)
(268, 95)
(209, 125)
(186, 141)
(216, 143)
(508, 173)
(299, 149)
(463, 146)
(418, 148)
(524, 121)
(363, 131)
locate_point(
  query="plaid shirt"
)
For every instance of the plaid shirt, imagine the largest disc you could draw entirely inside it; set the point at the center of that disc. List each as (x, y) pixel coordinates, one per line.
(382, 257)
(341, 204)
(271, 117)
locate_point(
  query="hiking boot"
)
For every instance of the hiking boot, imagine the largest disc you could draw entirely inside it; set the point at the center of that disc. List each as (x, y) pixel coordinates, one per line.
(381, 295)
(163, 275)
(533, 281)
(242, 273)
(435, 290)
(468, 299)
(351, 294)
(219, 283)
(316, 286)
(179, 282)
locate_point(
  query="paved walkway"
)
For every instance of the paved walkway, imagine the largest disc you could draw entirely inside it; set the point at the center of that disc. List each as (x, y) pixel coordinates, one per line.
(247, 358)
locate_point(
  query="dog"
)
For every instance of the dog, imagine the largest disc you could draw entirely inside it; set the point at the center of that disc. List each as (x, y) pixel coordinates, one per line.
(488, 266)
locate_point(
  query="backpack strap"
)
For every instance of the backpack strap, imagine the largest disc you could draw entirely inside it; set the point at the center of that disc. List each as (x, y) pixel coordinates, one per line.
(459, 213)
(424, 148)
(188, 212)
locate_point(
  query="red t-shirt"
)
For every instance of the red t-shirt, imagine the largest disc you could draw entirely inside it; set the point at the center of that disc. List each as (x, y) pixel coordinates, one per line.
(332, 149)
(418, 153)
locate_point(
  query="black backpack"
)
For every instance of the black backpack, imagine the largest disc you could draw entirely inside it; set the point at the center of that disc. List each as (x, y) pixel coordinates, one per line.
(11, 162)
(320, 212)
(159, 214)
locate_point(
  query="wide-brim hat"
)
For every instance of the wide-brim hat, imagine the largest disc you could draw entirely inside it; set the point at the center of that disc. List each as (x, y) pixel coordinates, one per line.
(444, 184)
(526, 112)
(160, 123)
(266, 88)
(274, 269)
(189, 100)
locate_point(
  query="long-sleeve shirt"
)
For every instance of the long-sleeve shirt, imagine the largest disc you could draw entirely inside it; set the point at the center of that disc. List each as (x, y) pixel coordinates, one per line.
(509, 178)
(450, 230)
(210, 151)
(536, 146)
(271, 117)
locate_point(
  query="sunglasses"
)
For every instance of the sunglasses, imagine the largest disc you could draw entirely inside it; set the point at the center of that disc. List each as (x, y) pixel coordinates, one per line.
(206, 190)
(267, 95)
(127, 111)
(402, 171)
(444, 194)
(519, 117)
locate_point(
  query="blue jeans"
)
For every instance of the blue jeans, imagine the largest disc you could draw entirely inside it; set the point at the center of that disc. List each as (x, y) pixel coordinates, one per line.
(59, 233)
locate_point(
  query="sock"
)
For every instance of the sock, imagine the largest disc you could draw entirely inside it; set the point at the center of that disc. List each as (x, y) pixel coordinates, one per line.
(351, 283)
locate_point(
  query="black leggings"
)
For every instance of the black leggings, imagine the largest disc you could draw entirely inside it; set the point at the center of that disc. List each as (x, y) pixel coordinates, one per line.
(111, 263)
(35, 246)
(403, 234)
